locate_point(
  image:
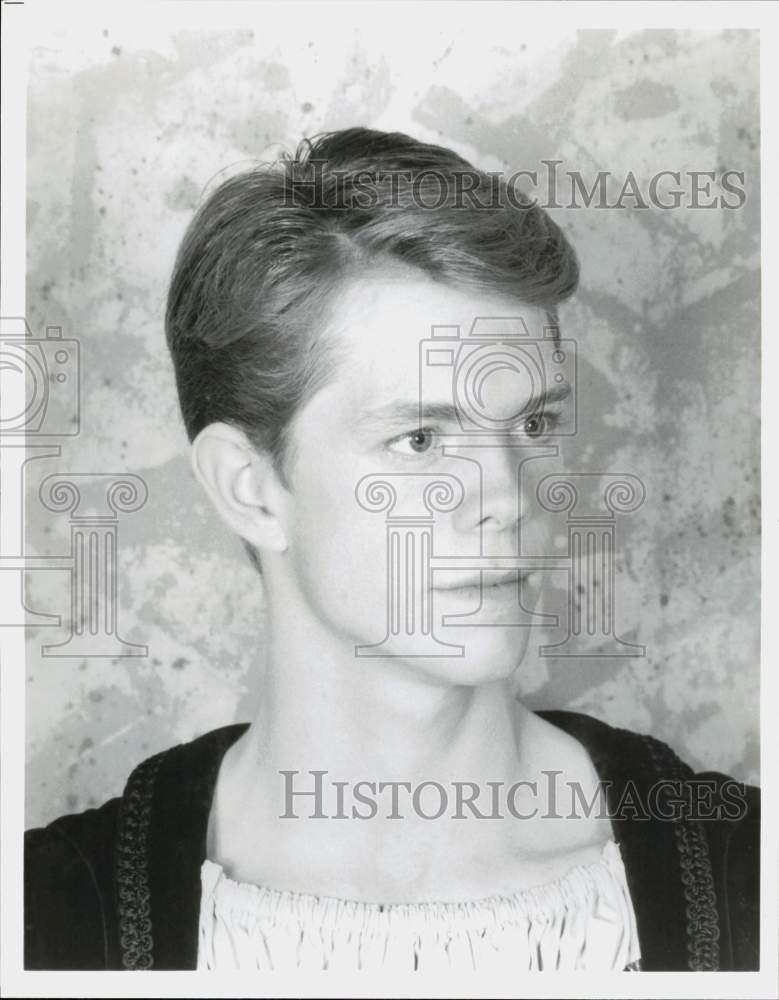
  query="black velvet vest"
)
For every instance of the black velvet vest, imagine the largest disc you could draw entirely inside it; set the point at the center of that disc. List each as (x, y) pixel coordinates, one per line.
(119, 887)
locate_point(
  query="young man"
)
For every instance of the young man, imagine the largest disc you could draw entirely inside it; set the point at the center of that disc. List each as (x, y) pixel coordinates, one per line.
(325, 320)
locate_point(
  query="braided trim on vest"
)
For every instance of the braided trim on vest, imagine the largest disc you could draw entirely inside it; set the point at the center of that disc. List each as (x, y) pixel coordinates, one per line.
(697, 878)
(132, 866)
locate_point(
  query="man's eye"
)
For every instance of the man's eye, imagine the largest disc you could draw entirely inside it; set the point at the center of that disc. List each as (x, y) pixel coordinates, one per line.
(414, 442)
(534, 426)
(539, 424)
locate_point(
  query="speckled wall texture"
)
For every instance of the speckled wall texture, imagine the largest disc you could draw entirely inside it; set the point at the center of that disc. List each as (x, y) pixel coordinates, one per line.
(127, 131)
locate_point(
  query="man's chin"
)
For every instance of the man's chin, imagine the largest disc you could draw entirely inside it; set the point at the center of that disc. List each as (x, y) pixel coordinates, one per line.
(483, 656)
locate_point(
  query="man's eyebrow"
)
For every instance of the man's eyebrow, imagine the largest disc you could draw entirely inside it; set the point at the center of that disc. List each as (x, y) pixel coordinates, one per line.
(412, 413)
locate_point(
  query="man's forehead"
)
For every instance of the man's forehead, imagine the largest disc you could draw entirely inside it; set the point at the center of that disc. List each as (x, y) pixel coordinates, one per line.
(385, 335)
(389, 315)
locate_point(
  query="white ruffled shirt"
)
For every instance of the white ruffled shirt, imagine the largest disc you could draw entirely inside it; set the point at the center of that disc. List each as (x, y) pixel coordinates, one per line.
(583, 921)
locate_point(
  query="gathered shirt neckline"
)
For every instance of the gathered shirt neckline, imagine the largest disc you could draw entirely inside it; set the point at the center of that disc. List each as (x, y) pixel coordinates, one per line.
(583, 920)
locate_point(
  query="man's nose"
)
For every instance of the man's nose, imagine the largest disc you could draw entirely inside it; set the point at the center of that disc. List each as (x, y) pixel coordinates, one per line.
(501, 506)
(492, 503)
(497, 500)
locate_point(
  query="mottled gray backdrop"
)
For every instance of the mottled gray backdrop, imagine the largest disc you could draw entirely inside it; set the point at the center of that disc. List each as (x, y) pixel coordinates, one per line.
(126, 133)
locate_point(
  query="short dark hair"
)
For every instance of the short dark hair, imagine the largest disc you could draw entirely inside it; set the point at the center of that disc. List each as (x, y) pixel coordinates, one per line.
(259, 262)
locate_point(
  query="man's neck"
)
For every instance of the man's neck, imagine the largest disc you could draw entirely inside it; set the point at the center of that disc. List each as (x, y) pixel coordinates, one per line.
(377, 718)
(378, 721)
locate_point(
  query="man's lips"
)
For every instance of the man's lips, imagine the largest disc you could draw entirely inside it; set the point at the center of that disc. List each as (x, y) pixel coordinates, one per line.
(485, 580)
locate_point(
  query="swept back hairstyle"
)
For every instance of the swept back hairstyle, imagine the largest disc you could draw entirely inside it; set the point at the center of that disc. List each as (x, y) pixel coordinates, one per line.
(261, 260)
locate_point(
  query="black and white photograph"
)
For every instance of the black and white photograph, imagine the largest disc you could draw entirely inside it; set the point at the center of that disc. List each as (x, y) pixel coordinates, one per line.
(385, 448)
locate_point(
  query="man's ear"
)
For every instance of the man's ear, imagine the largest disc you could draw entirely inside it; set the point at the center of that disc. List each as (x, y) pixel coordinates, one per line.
(242, 484)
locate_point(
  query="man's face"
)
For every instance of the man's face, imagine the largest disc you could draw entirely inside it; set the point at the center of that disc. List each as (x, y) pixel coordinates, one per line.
(351, 566)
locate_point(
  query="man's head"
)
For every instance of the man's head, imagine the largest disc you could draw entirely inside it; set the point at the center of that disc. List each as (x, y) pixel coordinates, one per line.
(300, 296)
